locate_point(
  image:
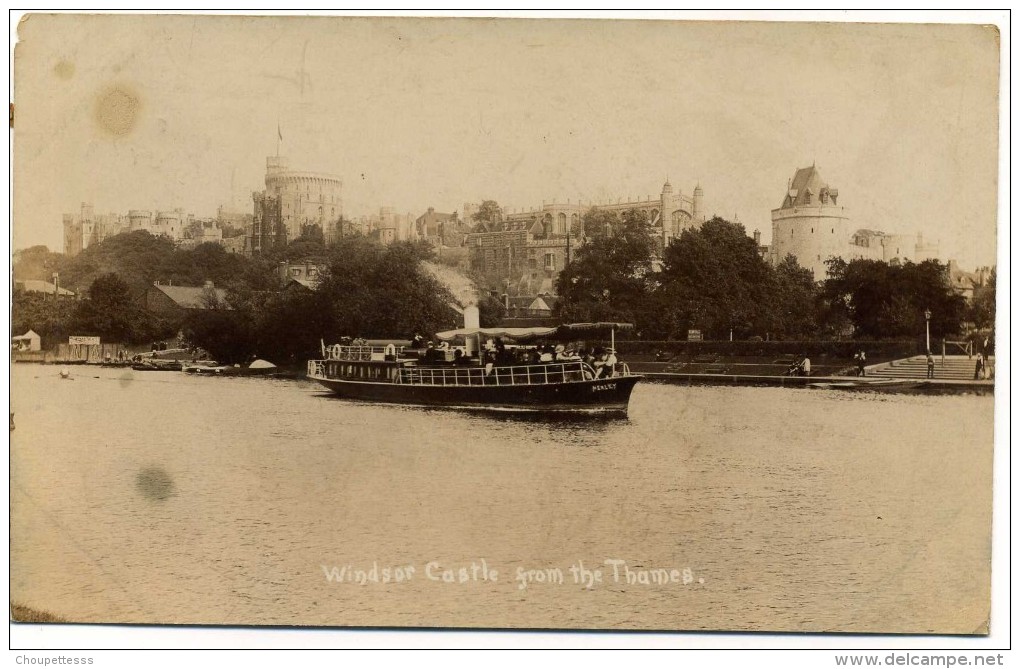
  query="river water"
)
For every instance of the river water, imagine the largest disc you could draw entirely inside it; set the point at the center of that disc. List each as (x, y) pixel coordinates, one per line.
(165, 498)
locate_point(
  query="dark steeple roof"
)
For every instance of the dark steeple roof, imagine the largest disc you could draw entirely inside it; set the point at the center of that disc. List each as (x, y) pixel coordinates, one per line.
(807, 189)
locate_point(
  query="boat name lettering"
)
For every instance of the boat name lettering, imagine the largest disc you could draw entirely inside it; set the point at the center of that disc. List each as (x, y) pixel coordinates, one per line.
(603, 386)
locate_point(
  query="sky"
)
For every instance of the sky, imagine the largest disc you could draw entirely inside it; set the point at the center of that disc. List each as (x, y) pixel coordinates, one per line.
(158, 112)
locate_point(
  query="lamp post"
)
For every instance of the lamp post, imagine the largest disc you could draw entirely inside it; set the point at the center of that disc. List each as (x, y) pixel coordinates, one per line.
(927, 334)
(56, 285)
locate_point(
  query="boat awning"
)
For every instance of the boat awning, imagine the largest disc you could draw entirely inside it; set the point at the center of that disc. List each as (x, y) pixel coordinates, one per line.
(568, 331)
(517, 334)
(583, 328)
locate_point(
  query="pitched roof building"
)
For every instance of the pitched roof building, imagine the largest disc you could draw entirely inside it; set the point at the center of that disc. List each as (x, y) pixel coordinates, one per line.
(176, 301)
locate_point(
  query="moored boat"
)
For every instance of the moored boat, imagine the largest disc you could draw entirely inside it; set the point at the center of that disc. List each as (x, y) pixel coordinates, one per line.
(156, 365)
(502, 374)
(212, 368)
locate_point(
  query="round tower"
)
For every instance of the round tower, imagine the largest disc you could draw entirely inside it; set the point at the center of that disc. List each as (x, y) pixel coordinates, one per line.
(809, 224)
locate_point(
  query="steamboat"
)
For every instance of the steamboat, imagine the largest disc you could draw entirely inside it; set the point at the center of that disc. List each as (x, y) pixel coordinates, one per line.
(498, 369)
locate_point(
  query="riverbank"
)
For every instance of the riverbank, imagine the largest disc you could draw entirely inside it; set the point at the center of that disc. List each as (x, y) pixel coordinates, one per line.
(914, 386)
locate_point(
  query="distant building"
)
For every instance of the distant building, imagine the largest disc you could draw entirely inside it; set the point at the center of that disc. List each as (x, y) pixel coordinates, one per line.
(531, 306)
(669, 214)
(41, 287)
(812, 226)
(965, 283)
(306, 272)
(441, 229)
(292, 202)
(525, 250)
(174, 302)
(518, 261)
(203, 231)
(239, 244)
(87, 228)
(386, 226)
(233, 222)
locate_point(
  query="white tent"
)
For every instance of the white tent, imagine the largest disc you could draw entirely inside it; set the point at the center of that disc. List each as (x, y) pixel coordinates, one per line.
(29, 341)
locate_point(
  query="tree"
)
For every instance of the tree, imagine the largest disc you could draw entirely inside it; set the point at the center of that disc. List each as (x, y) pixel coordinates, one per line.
(882, 300)
(489, 216)
(110, 313)
(491, 311)
(38, 262)
(226, 335)
(609, 277)
(383, 291)
(50, 318)
(599, 223)
(714, 280)
(982, 308)
(792, 310)
(137, 257)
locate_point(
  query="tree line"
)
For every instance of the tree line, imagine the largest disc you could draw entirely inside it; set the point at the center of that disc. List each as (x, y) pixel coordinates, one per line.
(712, 278)
(715, 279)
(366, 289)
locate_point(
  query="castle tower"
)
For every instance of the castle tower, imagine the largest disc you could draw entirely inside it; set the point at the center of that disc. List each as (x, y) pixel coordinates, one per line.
(810, 224)
(698, 212)
(306, 198)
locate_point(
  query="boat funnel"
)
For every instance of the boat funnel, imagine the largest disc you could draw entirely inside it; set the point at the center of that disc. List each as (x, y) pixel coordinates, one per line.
(471, 319)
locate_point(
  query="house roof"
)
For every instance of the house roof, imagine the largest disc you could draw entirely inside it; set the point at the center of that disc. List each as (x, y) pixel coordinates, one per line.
(293, 282)
(38, 286)
(188, 297)
(806, 188)
(520, 301)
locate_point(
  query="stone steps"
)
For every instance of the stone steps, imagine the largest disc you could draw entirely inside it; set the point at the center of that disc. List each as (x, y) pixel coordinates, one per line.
(955, 367)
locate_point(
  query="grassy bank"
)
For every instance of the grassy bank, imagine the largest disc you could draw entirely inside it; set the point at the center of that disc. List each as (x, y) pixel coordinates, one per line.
(25, 614)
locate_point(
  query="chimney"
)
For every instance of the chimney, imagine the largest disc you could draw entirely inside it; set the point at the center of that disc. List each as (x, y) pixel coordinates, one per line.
(471, 319)
(757, 237)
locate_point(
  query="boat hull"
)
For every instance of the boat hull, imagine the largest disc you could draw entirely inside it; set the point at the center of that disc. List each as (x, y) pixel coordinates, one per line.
(610, 395)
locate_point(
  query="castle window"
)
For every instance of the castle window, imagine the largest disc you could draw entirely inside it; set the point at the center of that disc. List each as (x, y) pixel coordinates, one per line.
(834, 231)
(812, 231)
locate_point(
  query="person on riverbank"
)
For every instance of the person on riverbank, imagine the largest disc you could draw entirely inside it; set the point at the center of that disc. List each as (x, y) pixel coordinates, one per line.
(931, 366)
(805, 366)
(861, 363)
(979, 367)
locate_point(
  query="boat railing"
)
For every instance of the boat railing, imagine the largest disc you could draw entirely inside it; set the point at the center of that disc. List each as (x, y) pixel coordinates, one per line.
(361, 352)
(491, 375)
(316, 368)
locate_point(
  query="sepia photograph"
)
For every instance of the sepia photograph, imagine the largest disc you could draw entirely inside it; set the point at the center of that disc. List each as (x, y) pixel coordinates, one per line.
(504, 323)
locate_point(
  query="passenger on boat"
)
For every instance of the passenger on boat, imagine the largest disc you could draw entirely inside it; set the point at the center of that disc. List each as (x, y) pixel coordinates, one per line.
(611, 361)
